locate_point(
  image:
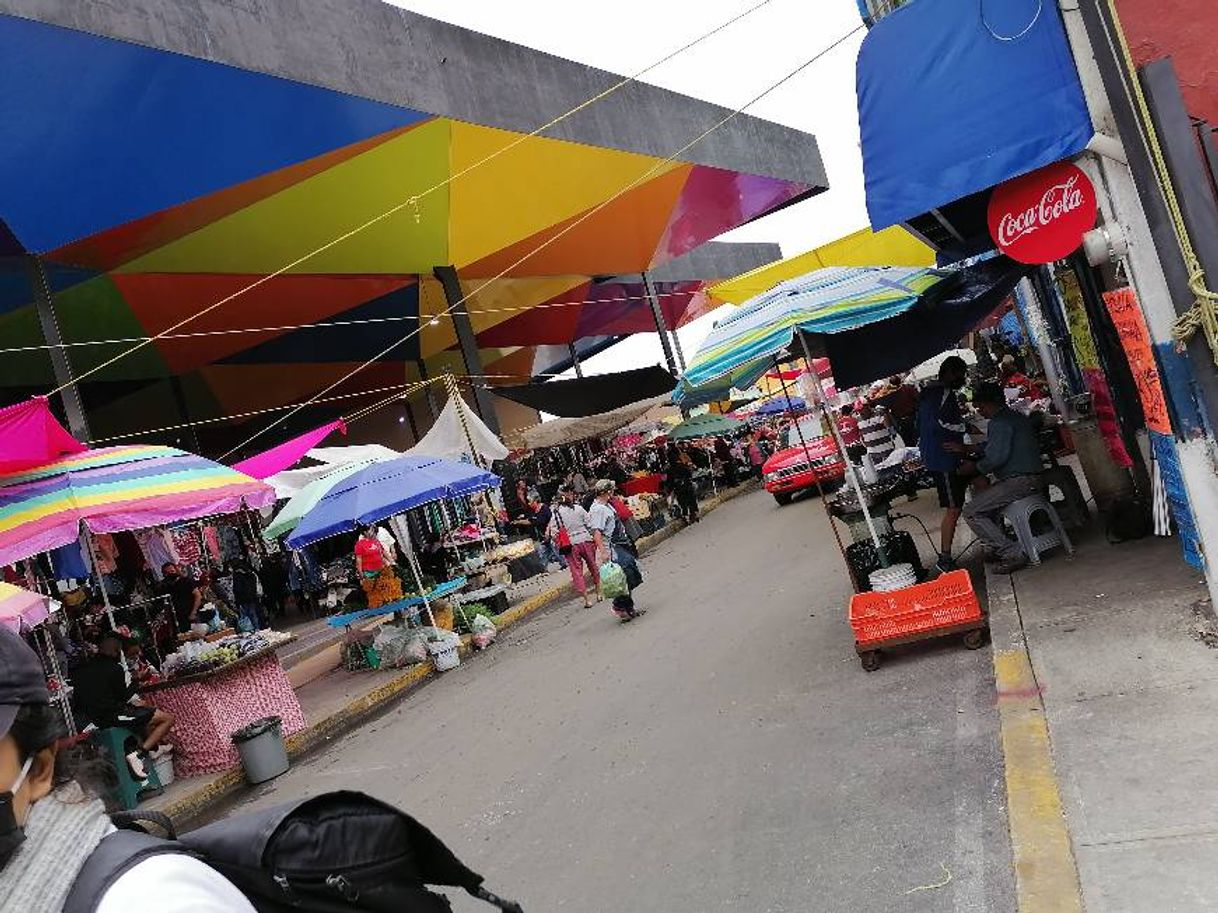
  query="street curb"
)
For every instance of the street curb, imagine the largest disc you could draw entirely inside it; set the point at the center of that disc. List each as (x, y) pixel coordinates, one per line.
(195, 804)
(1046, 874)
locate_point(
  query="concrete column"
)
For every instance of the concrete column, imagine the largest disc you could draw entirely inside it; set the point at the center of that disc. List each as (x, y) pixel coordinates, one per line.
(427, 391)
(468, 343)
(1129, 195)
(44, 304)
(661, 326)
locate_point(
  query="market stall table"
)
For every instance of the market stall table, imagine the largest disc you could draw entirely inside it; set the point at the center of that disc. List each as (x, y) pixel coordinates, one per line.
(210, 706)
(399, 605)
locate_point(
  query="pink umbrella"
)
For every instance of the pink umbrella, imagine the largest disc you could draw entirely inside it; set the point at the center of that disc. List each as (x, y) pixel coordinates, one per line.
(22, 608)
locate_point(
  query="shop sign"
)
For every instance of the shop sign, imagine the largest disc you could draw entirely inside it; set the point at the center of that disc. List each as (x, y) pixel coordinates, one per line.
(1042, 216)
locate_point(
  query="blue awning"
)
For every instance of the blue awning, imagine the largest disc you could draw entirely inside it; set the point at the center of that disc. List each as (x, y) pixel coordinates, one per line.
(956, 96)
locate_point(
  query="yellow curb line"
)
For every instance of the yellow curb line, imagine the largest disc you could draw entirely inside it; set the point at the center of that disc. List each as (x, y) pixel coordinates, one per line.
(1046, 876)
(195, 803)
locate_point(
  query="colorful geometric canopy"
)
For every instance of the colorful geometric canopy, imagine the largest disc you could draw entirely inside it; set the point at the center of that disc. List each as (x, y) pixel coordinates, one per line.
(154, 184)
(740, 349)
(114, 489)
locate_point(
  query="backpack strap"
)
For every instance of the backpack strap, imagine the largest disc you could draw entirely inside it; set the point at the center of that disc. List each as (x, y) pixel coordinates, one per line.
(117, 854)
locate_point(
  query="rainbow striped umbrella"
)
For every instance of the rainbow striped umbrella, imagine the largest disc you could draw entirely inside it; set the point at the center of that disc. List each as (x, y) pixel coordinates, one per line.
(22, 608)
(112, 489)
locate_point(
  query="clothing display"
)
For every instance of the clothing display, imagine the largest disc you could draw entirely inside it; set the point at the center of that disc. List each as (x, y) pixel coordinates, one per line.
(106, 550)
(68, 562)
(186, 544)
(156, 549)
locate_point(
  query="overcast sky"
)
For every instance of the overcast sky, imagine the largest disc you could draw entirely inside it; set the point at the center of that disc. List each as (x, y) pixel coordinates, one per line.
(729, 69)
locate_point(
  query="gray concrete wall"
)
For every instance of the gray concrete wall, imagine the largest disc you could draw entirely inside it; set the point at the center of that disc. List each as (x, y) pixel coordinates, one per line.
(377, 51)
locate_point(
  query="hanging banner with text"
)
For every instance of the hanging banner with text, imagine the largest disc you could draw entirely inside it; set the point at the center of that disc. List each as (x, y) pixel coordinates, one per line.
(1135, 340)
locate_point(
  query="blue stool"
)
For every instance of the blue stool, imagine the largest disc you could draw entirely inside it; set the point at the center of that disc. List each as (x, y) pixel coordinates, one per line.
(128, 789)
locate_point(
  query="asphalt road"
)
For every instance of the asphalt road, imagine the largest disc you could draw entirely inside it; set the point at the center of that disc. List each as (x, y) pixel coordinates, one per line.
(726, 752)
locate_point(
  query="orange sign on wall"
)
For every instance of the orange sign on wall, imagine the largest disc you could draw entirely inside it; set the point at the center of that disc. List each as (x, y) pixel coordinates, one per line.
(1135, 339)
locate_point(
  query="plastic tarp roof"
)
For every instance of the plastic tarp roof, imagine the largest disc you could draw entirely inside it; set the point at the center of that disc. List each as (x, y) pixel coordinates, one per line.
(454, 428)
(573, 430)
(584, 396)
(986, 92)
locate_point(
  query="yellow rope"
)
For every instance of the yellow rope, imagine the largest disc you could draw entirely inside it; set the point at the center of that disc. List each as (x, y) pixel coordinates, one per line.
(1203, 315)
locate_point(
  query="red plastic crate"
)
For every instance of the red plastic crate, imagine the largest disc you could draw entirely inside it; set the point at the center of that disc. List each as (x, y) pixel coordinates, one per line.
(946, 601)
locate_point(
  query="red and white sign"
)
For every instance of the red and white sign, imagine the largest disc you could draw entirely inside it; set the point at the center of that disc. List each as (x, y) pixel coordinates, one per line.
(1042, 216)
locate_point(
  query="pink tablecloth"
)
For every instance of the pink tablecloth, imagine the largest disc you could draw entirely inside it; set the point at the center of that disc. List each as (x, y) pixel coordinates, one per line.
(210, 710)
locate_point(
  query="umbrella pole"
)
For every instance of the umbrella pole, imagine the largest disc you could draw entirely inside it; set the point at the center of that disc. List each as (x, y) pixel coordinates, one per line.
(101, 585)
(841, 446)
(820, 489)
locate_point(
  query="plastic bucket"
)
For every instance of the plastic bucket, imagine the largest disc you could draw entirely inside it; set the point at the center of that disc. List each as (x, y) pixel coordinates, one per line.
(164, 768)
(444, 655)
(263, 754)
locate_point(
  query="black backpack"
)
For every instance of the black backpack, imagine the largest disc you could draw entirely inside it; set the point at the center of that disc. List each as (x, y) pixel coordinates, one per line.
(341, 851)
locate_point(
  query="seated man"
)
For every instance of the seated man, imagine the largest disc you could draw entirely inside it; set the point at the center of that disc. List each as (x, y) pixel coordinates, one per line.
(1012, 457)
(103, 697)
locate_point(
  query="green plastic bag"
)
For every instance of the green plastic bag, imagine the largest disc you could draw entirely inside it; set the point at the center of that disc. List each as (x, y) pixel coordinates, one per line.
(613, 580)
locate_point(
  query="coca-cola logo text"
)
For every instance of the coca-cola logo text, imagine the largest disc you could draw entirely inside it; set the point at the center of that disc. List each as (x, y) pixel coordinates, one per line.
(1041, 217)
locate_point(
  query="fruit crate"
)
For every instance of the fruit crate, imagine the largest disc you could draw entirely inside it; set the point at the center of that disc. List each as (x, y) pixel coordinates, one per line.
(946, 605)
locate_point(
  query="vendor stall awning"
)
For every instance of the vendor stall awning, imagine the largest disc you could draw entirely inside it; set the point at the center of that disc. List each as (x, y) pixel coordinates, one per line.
(584, 396)
(384, 489)
(21, 609)
(30, 436)
(874, 323)
(980, 92)
(741, 348)
(112, 489)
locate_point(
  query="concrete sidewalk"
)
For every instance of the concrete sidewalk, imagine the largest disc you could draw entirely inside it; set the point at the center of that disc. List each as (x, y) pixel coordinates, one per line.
(1121, 643)
(335, 701)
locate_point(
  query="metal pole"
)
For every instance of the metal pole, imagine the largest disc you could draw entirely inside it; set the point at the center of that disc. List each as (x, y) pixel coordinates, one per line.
(431, 397)
(467, 341)
(102, 586)
(807, 456)
(579, 369)
(44, 303)
(841, 446)
(661, 327)
(676, 347)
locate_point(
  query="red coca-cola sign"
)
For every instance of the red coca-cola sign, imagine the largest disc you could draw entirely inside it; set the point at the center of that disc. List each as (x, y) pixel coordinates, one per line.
(1042, 216)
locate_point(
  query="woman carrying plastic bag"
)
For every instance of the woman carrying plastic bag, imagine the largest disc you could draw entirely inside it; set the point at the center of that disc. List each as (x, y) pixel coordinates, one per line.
(615, 553)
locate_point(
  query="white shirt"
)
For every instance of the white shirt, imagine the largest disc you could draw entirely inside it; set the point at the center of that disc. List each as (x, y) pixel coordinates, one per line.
(388, 545)
(574, 519)
(173, 883)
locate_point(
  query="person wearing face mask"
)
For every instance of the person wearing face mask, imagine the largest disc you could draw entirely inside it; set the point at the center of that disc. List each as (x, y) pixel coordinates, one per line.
(50, 823)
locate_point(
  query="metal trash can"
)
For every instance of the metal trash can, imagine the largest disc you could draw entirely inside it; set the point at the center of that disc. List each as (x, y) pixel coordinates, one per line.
(262, 751)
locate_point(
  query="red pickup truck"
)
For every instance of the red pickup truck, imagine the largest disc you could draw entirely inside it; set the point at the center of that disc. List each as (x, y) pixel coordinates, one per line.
(794, 469)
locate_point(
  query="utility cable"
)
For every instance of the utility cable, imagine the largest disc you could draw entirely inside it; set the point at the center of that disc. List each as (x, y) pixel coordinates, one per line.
(328, 324)
(412, 201)
(570, 227)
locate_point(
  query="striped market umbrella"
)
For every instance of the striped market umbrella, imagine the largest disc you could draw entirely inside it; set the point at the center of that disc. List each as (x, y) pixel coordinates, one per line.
(741, 348)
(111, 489)
(708, 425)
